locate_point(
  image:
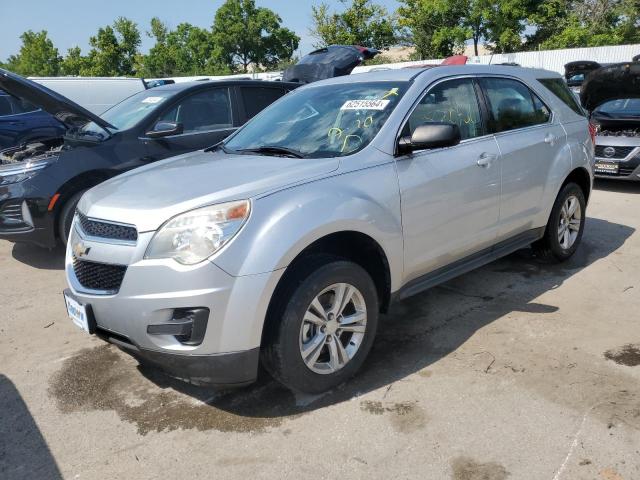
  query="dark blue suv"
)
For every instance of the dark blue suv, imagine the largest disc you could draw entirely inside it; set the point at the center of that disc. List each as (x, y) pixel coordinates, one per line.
(22, 122)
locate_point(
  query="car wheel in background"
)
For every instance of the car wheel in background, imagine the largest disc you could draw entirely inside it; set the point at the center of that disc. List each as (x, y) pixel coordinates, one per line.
(322, 325)
(565, 227)
(66, 216)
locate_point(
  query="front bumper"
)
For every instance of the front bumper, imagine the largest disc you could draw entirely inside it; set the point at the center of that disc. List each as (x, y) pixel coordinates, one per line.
(26, 220)
(628, 164)
(230, 369)
(150, 294)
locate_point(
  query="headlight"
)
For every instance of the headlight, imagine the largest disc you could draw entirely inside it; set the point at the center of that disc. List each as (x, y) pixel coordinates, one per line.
(194, 236)
(14, 173)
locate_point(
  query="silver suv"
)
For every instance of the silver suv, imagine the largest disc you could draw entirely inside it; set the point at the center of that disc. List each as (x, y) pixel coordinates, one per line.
(283, 243)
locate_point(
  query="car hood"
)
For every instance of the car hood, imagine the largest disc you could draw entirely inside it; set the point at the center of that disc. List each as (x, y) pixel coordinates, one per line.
(612, 82)
(69, 113)
(148, 196)
(328, 62)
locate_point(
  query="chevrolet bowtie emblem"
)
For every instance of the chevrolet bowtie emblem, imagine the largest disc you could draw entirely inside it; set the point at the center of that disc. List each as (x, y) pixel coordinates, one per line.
(80, 250)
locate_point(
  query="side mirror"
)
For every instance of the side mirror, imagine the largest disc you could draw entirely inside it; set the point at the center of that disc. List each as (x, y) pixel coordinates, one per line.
(165, 129)
(430, 135)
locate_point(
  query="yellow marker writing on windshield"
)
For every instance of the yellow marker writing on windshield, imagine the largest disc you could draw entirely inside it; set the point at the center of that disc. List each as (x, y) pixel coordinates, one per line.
(393, 91)
(334, 132)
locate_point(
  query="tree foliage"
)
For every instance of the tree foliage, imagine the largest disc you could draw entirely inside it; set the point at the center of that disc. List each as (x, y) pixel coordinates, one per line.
(362, 22)
(245, 35)
(37, 56)
(586, 23)
(114, 50)
(185, 51)
(248, 35)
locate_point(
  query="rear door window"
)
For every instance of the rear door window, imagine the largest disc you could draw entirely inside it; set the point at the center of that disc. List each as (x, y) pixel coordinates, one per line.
(202, 112)
(513, 105)
(453, 101)
(560, 90)
(256, 99)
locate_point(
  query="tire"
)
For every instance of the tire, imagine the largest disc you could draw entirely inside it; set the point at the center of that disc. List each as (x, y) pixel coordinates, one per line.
(290, 333)
(66, 216)
(551, 247)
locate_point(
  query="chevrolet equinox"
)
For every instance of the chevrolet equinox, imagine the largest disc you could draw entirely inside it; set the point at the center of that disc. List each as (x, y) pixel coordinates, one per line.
(283, 244)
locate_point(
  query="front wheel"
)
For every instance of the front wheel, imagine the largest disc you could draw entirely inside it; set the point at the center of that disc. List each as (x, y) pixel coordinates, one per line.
(324, 326)
(66, 216)
(565, 227)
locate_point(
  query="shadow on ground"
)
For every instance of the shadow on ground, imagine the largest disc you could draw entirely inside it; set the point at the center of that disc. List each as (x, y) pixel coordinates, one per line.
(414, 335)
(617, 186)
(24, 453)
(38, 257)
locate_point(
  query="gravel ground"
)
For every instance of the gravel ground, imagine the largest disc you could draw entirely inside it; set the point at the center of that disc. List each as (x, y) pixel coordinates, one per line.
(519, 370)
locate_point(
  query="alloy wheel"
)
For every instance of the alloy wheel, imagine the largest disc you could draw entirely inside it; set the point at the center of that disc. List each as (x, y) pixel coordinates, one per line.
(333, 328)
(569, 222)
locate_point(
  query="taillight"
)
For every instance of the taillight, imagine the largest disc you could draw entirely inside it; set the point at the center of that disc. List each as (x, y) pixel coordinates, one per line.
(592, 132)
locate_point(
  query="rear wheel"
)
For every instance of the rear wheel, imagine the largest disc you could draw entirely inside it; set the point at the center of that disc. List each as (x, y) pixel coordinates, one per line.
(66, 216)
(565, 227)
(324, 325)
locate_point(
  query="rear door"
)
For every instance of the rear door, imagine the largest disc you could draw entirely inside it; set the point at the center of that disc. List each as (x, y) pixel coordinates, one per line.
(254, 99)
(207, 117)
(450, 196)
(529, 140)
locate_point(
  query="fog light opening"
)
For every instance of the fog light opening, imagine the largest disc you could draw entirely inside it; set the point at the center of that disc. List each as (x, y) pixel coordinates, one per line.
(187, 325)
(26, 214)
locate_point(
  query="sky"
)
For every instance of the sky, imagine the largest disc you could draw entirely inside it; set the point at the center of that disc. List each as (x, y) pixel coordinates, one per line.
(72, 22)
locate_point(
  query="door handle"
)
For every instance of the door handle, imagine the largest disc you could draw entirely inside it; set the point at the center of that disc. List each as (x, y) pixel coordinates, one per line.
(485, 159)
(550, 139)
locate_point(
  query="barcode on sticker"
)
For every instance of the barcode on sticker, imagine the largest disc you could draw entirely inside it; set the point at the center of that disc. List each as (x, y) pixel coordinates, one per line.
(365, 105)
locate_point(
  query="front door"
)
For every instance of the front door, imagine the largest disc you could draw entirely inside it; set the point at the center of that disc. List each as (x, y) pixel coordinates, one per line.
(450, 196)
(206, 117)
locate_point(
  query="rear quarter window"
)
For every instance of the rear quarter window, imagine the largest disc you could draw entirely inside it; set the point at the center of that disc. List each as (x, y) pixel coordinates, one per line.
(560, 90)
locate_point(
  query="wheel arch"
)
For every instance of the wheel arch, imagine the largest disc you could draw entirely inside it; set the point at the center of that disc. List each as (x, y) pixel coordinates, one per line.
(350, 245)
(74, 185)
(581, 177)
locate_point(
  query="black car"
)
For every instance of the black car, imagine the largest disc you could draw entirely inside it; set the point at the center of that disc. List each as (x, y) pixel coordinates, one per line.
(41, 182)
(22, 122)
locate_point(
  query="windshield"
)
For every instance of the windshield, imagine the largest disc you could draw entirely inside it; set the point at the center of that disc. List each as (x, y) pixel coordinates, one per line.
(130, 111)
(625, 107)
(321, 121)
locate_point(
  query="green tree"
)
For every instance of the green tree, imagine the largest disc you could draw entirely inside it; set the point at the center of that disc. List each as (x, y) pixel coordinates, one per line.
(73, 63)
(114, 50)
(186, 51)
(590, 23)
(362, 22)
(435, 26)
(505, 22)
(37, 56)
(248, 35)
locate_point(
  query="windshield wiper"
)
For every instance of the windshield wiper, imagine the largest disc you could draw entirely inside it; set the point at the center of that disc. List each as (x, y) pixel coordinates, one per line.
(274, 149)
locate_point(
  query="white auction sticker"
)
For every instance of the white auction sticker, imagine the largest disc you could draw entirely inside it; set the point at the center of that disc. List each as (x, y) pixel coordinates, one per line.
(153, 100)
(365, 105)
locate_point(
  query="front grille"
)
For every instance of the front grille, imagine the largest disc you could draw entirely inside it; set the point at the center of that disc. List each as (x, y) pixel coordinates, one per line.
(108, 230)
(619, 152)
(99, 276)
